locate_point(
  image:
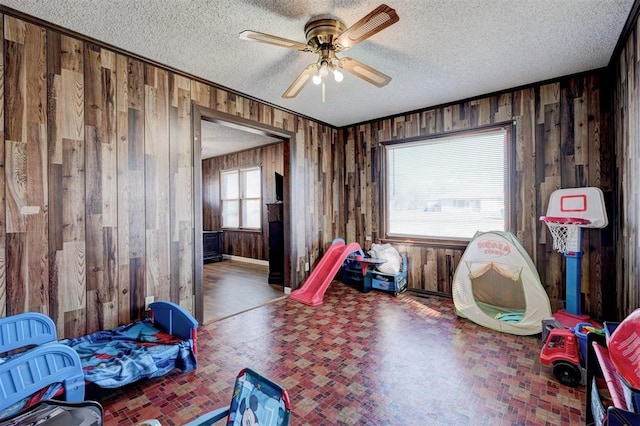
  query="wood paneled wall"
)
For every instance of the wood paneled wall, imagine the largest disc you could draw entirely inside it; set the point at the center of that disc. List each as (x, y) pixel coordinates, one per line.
(562, 136)
(270, 158)
(319, 193)
(626, 75)
(96, 189)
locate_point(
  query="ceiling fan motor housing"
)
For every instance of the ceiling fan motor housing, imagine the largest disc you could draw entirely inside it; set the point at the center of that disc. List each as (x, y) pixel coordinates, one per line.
(321, 33)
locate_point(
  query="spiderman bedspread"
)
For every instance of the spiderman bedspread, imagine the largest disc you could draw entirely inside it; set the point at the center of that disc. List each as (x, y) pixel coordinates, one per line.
(122, 355)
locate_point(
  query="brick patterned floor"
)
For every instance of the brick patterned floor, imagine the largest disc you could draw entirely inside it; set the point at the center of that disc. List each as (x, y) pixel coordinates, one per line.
(363, 359)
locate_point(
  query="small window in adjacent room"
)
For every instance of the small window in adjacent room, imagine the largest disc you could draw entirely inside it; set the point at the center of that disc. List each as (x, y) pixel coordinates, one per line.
(449, 187)
(241, 198)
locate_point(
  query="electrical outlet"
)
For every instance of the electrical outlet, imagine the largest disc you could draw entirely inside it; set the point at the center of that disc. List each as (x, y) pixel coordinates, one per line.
(148, 301)
(306, 266)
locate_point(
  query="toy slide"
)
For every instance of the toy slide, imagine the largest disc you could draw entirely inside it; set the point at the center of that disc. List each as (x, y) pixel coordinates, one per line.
(312, 291)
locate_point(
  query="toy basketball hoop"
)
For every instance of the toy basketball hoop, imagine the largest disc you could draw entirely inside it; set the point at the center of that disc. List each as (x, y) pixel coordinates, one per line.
(570, 210)
(565, 232)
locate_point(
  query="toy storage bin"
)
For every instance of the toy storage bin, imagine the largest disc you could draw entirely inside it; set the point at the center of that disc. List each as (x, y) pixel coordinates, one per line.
(582, 339)
(388, 282)
(352, 274)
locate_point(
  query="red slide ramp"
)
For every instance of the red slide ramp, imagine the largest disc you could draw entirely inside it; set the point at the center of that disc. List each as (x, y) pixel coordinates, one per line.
(312, 291)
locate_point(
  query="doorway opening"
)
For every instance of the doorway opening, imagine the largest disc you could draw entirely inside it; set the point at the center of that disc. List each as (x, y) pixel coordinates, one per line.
(241, 170)
(234, 286)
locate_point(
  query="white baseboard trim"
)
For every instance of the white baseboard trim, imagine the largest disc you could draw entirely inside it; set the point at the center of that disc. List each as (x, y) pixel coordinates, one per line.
(246, 259)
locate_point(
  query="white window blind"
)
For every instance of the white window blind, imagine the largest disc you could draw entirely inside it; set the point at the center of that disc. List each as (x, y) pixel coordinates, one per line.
(448, 187)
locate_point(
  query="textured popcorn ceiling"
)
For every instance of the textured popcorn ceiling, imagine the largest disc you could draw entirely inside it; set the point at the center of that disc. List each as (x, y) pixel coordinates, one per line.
(440, 51)
(219, 139)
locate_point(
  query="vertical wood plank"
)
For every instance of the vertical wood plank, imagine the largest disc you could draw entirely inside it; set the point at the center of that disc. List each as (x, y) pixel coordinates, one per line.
(54, 138)
(66, 182)
(157, 183)
(122, 161)
(37, 224)
(101, 187)
(15, 132)
(527, 225)
(549, 150)
(592, 282)
(16, 273)
(26, 165)
(431, 271)
(181, 190)
(201, 94)
(504, 110)
(131, 185)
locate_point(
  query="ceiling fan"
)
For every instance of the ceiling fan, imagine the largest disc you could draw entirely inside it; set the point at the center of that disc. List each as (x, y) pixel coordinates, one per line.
(326, 37)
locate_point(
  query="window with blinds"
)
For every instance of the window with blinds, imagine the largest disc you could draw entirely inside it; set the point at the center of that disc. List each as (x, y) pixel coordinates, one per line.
(448, 187)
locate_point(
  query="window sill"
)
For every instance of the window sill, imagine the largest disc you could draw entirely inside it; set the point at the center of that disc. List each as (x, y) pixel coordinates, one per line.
(243, 230)
(430, 242)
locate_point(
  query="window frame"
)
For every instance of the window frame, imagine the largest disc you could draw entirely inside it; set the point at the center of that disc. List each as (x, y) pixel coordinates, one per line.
(509, 183)
(242, 198)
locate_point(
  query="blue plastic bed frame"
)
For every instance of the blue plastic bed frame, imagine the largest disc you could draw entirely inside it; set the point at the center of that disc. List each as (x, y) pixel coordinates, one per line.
(46, 362)
(43, 365)
(175, 320)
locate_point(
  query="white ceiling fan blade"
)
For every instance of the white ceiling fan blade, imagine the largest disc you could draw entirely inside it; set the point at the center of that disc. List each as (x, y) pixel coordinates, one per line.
(364, 72)
(274, 40)
(376, 21)
(300, 82)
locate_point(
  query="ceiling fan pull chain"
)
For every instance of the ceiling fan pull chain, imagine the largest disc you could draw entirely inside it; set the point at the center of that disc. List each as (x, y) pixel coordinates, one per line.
(322, 91)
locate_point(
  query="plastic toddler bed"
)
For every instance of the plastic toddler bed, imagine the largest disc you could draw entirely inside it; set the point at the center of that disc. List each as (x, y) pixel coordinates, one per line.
(43, 372)
(109, 358)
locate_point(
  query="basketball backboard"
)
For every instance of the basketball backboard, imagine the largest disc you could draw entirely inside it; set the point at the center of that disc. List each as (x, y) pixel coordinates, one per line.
(579, 203)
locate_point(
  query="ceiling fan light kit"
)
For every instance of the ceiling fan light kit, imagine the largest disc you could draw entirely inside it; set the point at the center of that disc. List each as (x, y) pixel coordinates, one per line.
(325, 37)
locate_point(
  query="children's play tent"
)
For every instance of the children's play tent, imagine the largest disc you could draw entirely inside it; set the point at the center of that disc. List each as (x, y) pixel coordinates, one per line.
(497, 285)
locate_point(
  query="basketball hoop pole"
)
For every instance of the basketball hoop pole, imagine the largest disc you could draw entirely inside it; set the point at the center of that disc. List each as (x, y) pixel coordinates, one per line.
(568, 211)
(567, 239)
(573, 261)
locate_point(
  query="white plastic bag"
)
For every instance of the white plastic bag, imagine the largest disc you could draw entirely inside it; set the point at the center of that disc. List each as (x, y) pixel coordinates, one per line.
(388, 253)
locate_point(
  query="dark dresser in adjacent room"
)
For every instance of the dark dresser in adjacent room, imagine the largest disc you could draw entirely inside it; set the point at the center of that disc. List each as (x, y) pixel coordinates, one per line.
(276, 243)
(211, 246)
